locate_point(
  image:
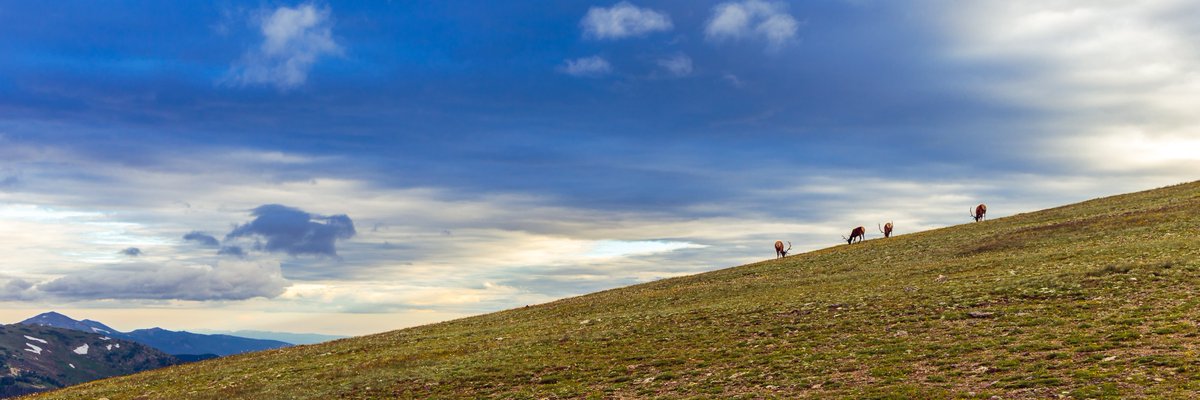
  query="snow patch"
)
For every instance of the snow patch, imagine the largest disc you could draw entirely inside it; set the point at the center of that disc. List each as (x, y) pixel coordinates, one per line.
(33, 349)
(36, 339)
(81, 350)
(105, 338)
(108, 347)
(95, 329)
(118, 345)
(72, 365)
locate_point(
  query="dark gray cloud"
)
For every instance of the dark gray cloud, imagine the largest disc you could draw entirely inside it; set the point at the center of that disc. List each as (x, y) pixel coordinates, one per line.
(295, 232)
(224, 281)
(15, 289)
(235, 251)
(202, 238)
(132, 251)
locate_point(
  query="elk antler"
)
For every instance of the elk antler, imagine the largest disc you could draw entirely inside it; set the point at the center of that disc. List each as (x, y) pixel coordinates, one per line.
(789, 246)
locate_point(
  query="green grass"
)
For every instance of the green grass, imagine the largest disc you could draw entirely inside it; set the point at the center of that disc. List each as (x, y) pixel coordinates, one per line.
(1092, 300)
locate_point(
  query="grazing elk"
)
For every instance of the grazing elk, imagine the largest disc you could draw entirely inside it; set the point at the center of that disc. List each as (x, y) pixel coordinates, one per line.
(780, 251)
(980, 212)
(886, 230)
(859, 232)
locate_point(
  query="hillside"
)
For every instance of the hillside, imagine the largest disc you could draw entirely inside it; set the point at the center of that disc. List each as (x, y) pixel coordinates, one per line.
(1091, 300)
(34, 358)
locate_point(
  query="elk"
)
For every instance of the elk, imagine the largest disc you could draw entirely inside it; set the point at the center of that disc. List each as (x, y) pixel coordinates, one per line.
(859, 232)
(980, 212)
(886, 230)
(780, 251)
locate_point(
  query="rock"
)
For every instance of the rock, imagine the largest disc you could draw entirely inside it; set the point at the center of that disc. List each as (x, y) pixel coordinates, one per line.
(981, 314)
(940, 278)
(1109, 358)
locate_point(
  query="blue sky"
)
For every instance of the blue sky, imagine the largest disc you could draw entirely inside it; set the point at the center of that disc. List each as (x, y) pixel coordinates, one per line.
(350, 168)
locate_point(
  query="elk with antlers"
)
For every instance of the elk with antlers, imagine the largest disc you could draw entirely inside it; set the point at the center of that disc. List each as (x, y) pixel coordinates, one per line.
(980, 212)
(780, 251)
(859, 232)
(886, 230)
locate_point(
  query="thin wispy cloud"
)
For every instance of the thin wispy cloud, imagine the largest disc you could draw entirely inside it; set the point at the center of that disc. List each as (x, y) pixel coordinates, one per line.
(588, 67)
(752, 19)
(679, 65)
(293, 40)
(623, 20)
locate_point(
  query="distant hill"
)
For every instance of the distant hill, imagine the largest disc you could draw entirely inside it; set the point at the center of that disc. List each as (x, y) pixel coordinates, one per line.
(37, 358)
(1091, 300)
(293, 338)
(184, 342)
(171, 342)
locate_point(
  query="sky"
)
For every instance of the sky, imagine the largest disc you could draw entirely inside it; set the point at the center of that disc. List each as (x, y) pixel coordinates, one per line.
(349, 168)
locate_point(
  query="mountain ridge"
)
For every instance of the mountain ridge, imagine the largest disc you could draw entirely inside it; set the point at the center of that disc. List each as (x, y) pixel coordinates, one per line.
(37, 357)
(171, 342)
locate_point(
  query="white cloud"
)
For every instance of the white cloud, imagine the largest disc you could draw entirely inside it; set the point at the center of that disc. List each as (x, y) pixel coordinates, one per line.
(623, 20)
(768, 21)
(1113, 82)
(593, 66)
(679, 65)
(293, 40)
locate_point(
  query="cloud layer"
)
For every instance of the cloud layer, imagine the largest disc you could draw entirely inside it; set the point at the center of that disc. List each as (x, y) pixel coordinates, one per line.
(227, 280)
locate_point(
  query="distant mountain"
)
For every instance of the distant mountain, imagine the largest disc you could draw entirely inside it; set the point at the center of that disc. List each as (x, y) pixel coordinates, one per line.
(35, 358)
(190, 358)
(62, 321)
(194, 343)
(293, 338)
(171, 342)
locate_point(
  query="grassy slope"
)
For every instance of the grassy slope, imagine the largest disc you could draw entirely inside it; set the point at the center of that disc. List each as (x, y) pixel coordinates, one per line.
(1090, 300)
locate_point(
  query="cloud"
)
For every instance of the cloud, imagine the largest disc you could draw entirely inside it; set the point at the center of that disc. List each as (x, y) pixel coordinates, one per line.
(733, 80)
(295, 232)
(227, 280)
(768, 21)
(232, 251)
(293, 40)
(1113, 83)
(132, 251)
(202, 238)
(593, 66)
(15, 289)
(623, 20)
(679, 65)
